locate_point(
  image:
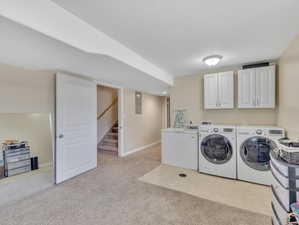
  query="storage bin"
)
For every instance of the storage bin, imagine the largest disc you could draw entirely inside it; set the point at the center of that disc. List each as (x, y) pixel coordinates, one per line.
(281, 211)
(275, 219)
(18, 157)
(16, 171)
(285, 182)
(18, 164)
(288, 150)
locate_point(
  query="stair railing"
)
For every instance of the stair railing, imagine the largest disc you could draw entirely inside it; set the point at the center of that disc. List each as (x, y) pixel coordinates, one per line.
(107, 109)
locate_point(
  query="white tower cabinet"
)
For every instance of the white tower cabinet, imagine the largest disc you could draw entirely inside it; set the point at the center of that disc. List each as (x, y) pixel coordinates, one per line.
(219, 90)
(256, 87)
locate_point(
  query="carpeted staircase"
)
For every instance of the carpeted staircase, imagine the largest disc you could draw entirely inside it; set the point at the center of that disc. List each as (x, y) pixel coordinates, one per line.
(110, 140)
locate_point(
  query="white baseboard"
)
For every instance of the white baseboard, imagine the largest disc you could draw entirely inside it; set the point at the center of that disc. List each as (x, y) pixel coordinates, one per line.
(140, 148)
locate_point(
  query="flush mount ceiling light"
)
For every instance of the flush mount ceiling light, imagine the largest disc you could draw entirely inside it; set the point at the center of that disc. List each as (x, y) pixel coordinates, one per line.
(212, 60)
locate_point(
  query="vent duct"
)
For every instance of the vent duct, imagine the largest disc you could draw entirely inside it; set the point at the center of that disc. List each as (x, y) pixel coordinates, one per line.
(256, 65)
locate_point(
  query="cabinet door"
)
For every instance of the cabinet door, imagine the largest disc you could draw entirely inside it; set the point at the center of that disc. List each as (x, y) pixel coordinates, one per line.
(226, 90)
(246, 88)
(211, 91)
(265, 87)
(180, 149)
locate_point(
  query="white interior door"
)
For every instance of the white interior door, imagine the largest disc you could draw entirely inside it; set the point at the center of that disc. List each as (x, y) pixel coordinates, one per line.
(76, 126)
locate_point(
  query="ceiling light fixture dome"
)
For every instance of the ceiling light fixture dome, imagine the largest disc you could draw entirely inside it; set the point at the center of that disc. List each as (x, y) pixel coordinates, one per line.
(212, 60)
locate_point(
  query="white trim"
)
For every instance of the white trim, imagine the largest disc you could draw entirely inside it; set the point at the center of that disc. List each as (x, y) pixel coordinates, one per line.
(121, 106)
(140, 148)
(107, 84)
(52, 120)
(121, 122)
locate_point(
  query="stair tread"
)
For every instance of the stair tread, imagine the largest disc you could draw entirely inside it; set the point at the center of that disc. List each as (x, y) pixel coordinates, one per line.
(114, 144)
(108, 148)
(110, 140)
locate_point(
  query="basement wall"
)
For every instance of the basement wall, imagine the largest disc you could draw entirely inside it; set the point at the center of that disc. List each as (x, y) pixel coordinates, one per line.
(31, 127)
(288, 113)
(30, 91)
(145, 129)
(26, 91)
(188, 93)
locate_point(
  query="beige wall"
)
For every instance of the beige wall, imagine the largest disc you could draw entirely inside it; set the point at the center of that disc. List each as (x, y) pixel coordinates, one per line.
(106, 96)
(26, 91)
(187, 93)
(288, 113)
(34, 128)
(29, 91)
(145, 129)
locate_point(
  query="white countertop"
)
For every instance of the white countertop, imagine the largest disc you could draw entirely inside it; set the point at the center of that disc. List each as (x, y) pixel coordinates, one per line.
(180, 130)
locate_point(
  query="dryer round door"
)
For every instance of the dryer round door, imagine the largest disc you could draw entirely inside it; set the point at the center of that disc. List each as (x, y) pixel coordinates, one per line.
(216, 149)
(255, 153)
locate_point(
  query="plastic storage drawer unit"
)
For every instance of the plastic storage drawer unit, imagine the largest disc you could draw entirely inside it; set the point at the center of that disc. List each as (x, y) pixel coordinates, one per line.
(16, 159)
(285, 188)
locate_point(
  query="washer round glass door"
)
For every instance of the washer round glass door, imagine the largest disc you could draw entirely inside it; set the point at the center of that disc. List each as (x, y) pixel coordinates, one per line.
(216, 149)
(255, 153)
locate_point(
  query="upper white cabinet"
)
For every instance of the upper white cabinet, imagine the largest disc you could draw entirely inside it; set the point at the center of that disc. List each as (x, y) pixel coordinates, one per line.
(246, 88)
(256, 87)
(219, 90)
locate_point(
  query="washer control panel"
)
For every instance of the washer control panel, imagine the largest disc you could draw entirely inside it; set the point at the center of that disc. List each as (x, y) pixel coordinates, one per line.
(259, 132)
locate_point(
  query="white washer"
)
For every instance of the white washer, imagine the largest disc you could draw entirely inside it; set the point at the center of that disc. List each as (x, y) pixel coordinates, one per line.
(254, 144)
(217, 150)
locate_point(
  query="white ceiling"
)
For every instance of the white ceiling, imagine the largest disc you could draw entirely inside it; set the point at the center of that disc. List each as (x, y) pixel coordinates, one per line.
(143, 44)
(175, 34)
(30, 49)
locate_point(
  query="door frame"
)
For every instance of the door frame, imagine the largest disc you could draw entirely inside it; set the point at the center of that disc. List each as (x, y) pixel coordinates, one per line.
(121, 115)
(120, 122)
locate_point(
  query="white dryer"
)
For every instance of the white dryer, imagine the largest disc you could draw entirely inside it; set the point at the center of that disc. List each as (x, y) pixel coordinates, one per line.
(254, 144)
(217, 150)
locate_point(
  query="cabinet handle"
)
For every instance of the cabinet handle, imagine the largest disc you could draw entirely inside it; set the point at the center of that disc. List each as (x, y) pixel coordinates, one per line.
(258, 101)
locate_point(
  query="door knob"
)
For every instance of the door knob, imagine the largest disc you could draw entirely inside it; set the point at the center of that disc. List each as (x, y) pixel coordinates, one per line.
(61, 136)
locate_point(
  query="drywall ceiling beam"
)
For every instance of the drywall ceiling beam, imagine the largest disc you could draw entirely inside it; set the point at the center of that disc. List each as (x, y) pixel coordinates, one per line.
(52, 20)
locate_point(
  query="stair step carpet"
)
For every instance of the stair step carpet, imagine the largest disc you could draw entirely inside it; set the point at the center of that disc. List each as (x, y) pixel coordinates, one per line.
(110, 140)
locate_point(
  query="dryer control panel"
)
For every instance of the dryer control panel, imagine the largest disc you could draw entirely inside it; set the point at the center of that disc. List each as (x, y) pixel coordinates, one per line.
(216, 130)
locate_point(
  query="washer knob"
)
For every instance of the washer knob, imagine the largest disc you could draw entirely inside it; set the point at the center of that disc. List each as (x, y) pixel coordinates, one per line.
(216, 130)
(259, 132)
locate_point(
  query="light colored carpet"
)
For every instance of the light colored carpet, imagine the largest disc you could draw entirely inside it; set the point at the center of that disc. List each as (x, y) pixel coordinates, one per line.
(248, 196)
(113, 195)
(23, 185)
